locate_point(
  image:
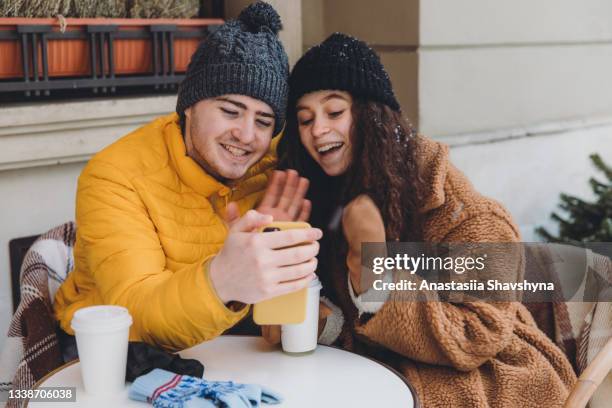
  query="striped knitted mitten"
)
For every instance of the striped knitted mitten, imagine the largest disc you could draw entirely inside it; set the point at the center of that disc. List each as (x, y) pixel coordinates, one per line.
(165, 389)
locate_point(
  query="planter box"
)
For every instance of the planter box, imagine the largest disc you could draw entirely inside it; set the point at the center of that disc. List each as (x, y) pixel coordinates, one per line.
(37, 54)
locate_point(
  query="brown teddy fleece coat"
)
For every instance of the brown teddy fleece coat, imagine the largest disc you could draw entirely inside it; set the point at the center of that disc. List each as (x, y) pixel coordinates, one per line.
(455, 355)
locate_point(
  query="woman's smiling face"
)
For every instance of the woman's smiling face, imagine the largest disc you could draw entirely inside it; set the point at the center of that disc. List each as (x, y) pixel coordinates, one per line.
(324, 122)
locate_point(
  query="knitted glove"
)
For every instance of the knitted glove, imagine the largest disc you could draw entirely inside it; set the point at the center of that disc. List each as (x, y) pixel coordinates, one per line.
(165, 389)
(250, 395)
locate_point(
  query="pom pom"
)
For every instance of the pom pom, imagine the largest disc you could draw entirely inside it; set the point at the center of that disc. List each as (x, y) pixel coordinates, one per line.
(259, 15)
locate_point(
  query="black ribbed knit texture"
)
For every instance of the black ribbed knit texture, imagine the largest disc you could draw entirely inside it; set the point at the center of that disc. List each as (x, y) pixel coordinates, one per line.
(243, 56)
(344, 63)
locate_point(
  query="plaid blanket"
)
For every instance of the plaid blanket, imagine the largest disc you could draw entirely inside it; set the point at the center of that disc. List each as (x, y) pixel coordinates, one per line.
(32, 349)
(580, 329)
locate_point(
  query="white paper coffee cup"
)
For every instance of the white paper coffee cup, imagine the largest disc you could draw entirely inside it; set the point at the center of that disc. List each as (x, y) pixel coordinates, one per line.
(302, 337)
(102, 334)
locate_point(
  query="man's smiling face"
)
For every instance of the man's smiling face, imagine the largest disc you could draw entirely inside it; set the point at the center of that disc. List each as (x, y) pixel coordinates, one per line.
(226, 135)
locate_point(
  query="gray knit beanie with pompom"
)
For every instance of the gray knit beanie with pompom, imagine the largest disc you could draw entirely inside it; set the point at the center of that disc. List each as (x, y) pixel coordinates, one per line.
(243, 56)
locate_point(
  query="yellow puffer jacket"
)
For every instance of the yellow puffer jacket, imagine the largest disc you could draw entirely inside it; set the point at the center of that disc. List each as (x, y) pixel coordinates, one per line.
(148, 218)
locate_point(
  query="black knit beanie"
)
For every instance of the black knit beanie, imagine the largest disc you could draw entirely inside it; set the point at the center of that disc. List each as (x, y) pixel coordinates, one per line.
(344, 63)
(243, 56)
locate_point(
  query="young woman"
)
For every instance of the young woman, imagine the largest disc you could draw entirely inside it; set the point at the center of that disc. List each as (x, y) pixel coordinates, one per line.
(373, 179)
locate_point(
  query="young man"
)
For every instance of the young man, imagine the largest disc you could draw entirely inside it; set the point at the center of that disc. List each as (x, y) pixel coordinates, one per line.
(153, 208)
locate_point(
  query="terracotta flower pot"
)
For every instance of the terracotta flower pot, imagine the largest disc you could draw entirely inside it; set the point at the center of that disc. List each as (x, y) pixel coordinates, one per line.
(94, 48)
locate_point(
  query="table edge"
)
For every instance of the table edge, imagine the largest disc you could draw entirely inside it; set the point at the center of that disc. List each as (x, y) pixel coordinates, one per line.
(49, 375)
(415, 397)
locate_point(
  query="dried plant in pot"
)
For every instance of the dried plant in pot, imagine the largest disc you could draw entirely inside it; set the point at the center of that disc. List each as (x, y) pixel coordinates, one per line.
(109, 48)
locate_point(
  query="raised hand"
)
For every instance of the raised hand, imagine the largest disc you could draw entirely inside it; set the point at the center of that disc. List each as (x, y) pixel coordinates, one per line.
(284, 197)
(361, 222)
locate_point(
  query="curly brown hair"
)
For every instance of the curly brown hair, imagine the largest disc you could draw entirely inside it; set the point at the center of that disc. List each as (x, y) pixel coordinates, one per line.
(383, 167)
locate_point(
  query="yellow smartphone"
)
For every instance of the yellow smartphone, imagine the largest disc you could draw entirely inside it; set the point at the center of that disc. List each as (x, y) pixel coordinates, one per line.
(285, 309)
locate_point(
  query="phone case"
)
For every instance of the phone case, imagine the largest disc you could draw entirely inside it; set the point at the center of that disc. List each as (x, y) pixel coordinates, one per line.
(286, 309)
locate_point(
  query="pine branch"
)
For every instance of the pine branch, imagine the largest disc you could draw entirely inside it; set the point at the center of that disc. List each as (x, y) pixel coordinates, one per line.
(585, 221)
(547, 236)
(601, 166)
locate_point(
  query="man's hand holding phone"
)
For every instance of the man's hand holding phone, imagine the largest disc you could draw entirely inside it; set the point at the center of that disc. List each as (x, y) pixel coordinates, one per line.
(253, 266)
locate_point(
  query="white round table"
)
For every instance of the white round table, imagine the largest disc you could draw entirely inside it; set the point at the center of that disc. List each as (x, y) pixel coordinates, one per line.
(329, 377)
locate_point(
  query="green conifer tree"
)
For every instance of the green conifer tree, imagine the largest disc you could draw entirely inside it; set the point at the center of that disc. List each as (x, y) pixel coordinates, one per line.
(585, 221)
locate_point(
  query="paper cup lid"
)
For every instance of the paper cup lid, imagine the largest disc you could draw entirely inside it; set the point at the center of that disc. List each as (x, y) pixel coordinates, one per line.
(101, 318)
(315, 282)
